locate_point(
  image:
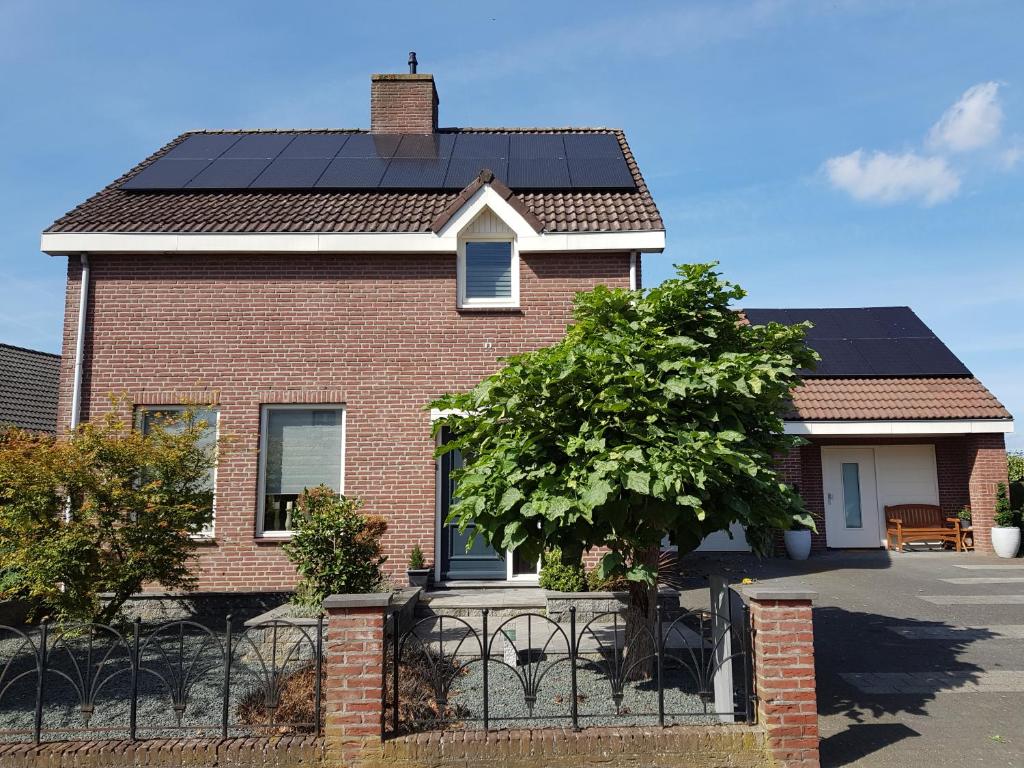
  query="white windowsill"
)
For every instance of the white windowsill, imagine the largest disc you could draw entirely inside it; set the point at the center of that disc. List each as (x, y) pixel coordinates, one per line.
(274, 536)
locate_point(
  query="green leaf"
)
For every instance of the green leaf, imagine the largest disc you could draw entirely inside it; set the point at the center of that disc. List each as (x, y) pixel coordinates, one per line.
(596, 493)
(609, 565)
(644, 574)
(509, 499)
(639, 482)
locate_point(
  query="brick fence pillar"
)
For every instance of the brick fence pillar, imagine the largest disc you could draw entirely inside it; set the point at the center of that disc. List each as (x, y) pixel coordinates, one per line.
(787, 706)
(986, 464)
(353, 667)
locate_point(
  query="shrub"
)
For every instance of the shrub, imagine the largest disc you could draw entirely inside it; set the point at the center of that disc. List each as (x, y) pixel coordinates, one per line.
(88, 519)
(335, 547)
(416, 561)
(1004, 517)
(561, 577)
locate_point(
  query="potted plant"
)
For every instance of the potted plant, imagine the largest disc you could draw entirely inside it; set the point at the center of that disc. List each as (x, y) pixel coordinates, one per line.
(419, 574)
(1006, 531)
(798, 541)
(965, 517)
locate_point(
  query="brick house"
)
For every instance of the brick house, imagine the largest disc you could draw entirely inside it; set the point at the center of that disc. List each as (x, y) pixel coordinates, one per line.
(316, 288)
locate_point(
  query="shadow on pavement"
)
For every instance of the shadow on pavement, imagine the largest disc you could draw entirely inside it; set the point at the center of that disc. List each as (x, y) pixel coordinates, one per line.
(861, 740)
(870, 666)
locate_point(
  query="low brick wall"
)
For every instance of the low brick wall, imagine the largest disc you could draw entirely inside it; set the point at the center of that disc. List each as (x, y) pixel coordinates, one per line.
(735, 746)
(268, 752)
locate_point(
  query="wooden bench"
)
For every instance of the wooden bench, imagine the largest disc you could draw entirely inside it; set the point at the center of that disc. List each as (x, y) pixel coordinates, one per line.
(921, 522)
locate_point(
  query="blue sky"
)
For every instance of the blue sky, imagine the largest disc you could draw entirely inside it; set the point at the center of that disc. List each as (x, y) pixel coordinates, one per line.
(827, 153)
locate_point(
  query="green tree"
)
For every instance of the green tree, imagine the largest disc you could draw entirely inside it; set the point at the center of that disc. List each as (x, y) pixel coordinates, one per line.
(659, 413)
(106, 509)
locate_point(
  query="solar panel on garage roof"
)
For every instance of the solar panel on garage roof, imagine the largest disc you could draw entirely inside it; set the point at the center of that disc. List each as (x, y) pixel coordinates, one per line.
(446, 161)
(870, 341)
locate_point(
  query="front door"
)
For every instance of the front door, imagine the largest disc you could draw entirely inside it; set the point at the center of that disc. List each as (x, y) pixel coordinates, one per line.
(851, 498)
(480, 561)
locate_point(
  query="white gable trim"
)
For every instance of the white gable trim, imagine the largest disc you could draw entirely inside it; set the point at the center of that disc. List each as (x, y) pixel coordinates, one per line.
(528, 240)
(899, 427)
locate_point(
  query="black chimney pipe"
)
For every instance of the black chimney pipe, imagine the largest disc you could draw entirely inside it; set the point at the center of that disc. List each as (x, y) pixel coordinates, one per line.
(412, 62)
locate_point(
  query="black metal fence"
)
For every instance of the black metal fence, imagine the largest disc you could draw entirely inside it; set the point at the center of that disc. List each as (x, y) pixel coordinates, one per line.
(177, 678)
(450, 672)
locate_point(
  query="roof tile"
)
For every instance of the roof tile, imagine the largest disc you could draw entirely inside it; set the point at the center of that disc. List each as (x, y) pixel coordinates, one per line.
(894, 399)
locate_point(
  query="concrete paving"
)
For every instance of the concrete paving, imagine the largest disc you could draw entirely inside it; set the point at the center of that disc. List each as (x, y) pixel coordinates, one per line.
(913, 669)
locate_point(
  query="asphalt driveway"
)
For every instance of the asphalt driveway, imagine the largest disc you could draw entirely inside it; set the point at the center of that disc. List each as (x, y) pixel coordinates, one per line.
(920, 656)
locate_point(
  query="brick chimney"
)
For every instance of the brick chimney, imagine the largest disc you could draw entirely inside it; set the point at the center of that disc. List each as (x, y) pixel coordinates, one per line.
(403, 103)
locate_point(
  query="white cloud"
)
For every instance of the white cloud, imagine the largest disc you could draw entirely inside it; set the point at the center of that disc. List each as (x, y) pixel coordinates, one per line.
(1012, 155)
(973, 122)
(883, 178)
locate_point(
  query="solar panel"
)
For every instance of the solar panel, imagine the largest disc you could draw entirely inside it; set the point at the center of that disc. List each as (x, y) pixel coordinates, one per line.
(599, 173)
(592, 145)
(259, 145)
(549, 161)
(932, 355)
(873, 341)
(314, 146)
(431, 145)
(291, 173)
(552, 173)
(462, 172)
(166, 173)
(368, 145)
(536, 146)
(415, 173)
(353, 173)
(230, 173)
(203, 145)
(477, 145)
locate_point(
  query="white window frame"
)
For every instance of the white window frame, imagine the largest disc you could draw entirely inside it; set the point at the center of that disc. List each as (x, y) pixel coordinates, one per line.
(208, 533)
(262, 463)
(499, 303)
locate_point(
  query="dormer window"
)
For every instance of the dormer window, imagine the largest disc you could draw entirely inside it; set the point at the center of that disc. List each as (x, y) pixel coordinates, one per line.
(488, 273)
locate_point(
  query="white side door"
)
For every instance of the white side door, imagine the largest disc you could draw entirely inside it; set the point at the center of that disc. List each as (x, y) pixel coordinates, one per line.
(851, 498)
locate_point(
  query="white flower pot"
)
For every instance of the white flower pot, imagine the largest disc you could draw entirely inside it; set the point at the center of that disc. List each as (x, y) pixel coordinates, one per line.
(1006, 541)
(798, 544)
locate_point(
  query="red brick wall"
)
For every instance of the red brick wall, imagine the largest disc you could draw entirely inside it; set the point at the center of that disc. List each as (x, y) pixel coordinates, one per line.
(986, 462)
(403, 104)
(379, 333)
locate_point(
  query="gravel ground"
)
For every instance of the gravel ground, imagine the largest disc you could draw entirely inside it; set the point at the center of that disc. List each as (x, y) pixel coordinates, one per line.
(508, 708)
(193, 663)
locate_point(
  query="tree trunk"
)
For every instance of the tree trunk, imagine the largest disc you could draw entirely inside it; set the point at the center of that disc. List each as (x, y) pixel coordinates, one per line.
(638, 654)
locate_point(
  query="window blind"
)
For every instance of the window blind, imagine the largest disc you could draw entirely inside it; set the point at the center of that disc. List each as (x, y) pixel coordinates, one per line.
(489, 270)
(303, 450)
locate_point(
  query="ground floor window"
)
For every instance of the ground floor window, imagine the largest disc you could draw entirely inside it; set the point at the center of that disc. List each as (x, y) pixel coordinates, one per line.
(170, 417)
(301, 447)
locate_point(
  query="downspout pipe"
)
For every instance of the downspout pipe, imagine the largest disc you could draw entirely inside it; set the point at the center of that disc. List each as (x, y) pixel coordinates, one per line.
(633, 257)
(83, 310)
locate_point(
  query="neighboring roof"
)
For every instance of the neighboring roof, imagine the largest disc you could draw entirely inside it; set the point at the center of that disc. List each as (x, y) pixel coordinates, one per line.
(868, 341)
(117, 210)
(894, 399)
(28, 388)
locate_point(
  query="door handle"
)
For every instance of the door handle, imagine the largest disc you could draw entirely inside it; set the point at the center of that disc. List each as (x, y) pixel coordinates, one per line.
(830, 499)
